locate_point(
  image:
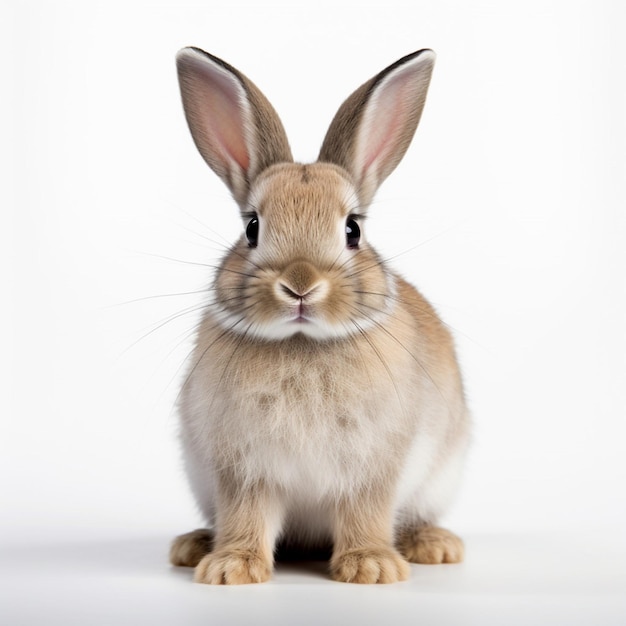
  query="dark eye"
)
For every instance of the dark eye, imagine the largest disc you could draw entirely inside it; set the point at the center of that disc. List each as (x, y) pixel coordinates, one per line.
(252, 232)
(353, 233)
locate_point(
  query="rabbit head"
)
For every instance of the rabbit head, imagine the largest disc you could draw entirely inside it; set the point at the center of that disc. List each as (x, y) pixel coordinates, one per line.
(303, 264)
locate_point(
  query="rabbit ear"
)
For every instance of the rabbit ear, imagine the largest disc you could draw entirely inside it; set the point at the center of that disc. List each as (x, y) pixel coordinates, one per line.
(373, 128)
(234, 127)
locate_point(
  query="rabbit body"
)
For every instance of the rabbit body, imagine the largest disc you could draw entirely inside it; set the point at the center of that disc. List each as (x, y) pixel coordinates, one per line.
(323, 404)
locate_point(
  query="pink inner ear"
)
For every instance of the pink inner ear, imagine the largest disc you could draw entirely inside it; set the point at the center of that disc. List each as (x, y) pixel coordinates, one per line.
(382, 141)
(222, 118)
(225, 124)
(386, 123)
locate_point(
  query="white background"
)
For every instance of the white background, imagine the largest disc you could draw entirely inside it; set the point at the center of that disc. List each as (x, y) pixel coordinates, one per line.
(513, 188)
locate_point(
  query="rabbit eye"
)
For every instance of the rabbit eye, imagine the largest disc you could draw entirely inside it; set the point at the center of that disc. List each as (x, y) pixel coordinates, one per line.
(252, 232)
(353, 233)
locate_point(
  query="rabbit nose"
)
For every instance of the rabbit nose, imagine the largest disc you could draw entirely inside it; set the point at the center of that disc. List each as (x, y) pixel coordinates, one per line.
(300, 281)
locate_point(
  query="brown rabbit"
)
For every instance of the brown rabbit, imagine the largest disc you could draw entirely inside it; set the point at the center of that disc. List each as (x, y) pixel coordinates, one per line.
(324, 404)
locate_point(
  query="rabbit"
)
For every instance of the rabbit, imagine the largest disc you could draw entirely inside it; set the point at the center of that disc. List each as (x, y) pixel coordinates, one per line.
(323, 406)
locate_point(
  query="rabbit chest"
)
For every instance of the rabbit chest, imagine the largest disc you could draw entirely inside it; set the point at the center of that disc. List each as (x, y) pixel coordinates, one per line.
(322, 418)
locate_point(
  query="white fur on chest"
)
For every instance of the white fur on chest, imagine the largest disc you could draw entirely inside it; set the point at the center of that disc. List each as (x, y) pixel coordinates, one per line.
(304, 430)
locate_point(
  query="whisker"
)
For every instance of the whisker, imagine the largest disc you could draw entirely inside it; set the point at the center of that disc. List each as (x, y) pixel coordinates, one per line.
(380, 358)
(245, 258)
(160, 295)
(211, 244)
(332, 267)
(394, 338)
(409, 306)
(182, 338)
(227, 245)
(425, 310)
(225, 332)
(187, 335)
(381, 262)
(349, 337)
(364, 268)
(209, 265)
(192, 309)
(207, 227)
(231, 299)
(355, 254)
(240, 340)
(360, 263)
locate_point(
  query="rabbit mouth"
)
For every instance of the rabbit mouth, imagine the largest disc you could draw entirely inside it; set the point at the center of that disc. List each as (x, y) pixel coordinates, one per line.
(299, 320)
(301, 315)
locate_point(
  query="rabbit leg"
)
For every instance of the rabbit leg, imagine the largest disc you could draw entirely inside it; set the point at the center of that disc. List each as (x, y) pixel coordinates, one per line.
(248, 522)
(188, 549)
(363, 550)
(430, 545)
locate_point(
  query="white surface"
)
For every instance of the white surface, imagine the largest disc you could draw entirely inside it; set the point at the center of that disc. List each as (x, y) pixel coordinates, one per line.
(514, 188)
(533, 579)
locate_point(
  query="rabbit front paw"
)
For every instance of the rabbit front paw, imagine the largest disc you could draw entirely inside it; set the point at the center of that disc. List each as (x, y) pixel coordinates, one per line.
(369, 566)
(233, 567)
